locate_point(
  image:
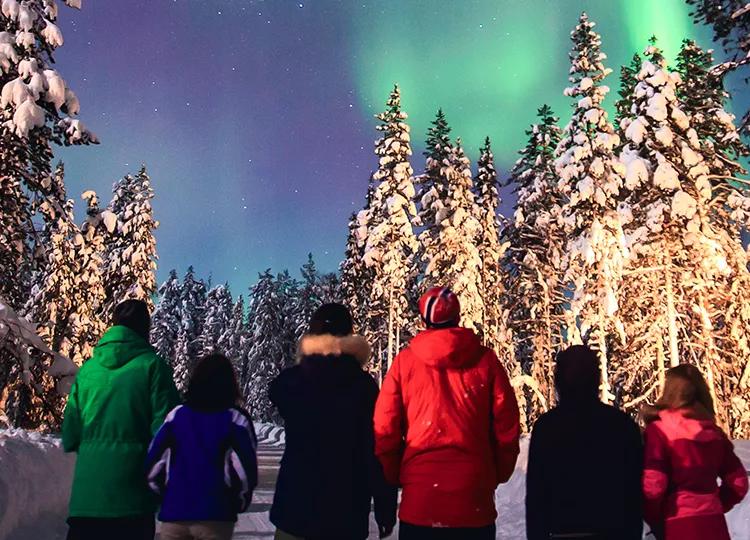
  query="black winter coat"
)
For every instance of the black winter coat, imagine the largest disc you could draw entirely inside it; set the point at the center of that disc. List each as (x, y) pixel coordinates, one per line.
(329, 473)
(584, 474)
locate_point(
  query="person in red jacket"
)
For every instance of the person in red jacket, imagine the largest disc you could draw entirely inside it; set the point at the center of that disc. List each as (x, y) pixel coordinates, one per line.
(685, 454)
(446, 427)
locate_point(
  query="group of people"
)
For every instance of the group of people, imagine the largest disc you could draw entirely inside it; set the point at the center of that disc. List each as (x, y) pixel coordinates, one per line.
(444, 428)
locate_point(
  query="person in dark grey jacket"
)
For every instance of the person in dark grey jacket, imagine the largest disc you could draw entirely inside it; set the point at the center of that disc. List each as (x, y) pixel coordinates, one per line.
(585, 461)
(329, 474)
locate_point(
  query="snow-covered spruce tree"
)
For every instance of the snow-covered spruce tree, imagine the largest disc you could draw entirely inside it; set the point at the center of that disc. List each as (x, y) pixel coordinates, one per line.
(355, 276)
(191, 316)
(289, 291)
(391, 244)
(37, 110)
(330, 288)
(590, 177)
(234, 341)
(217, 319)
(532, 266)
(628, 80)
(87, 322)
(165, 322)
(491, 250)
(305, 300)
(432, 191)
(51, 301)
(131, 258)
(678, 256)
(265, 354)
(452, 258)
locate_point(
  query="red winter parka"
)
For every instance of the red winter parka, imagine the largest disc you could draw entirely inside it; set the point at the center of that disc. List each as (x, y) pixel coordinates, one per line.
(447, 429)
(684, 458)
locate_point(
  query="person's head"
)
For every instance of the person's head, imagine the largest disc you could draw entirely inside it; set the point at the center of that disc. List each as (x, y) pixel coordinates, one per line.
(439, 308)
(685, 388)
(134, 315)
(213, 384)
(333, 319)
(577, 375)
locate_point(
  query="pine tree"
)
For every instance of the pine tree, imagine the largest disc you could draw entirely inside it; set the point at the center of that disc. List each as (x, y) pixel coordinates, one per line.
(165, 322)
(330, 288)
(191, 316)
(591, 179)
(449, 246)
(532, 264)
(131, 259)
(391, 244)
(305, 299)
(87, 321)
(217, 319)
(628, 80)
(355, 276)
(234, 341)
(37, 110)
(266, 354)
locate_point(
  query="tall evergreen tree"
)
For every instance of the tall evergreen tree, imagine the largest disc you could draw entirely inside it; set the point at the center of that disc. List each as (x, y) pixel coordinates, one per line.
(355, 276)
(532, 264)
(37, 110)
(266, 354)
(131, 259)
(234, 341)
(490, 251)
(628, 80)
(305, 300)
(192, 317)
(391, 245)
(88, 319)
(217, 319)
(590, 177)
(165, 322)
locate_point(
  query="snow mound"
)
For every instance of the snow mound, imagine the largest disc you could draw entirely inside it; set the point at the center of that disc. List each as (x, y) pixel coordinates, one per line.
(35, 479)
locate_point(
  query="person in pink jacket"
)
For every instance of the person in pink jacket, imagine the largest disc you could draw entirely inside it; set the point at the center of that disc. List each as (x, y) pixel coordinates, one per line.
(685, 454)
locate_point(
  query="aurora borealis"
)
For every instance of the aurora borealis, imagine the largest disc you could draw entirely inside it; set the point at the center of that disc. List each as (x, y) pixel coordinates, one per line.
(254, 118)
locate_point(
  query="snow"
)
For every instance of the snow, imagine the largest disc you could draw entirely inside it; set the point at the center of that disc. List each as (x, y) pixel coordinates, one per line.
(636, 131)
(664, 135)
(28, 116)
(657, 107)
(52, 35)
(684, 205)
(665, 177)
(34, 469)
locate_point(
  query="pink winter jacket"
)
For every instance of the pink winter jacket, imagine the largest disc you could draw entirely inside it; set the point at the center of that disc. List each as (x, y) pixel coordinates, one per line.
(684, 457)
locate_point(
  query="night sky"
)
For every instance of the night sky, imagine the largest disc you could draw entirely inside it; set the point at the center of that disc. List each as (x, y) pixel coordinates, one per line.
(254, 118)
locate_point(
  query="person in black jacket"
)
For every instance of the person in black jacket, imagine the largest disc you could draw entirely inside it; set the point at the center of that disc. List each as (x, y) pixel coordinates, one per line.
(329, 473)
(585, 461)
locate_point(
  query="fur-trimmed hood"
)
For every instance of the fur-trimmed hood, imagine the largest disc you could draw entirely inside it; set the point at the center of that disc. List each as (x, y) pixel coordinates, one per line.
(327, 344)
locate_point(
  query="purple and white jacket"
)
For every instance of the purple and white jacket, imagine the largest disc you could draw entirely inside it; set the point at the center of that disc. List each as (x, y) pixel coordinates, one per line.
(203, 464)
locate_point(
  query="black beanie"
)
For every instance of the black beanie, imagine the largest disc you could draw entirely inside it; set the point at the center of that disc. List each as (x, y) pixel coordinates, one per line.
(134, 315)
(333, 319)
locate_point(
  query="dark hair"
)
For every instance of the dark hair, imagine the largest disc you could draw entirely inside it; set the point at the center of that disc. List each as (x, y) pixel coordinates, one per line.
(684, 388)
(213, 384)
(577, 374)
(333, 319)
(134, 315)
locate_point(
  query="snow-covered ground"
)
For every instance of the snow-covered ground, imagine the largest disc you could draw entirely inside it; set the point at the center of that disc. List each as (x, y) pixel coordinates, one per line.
(35, 480)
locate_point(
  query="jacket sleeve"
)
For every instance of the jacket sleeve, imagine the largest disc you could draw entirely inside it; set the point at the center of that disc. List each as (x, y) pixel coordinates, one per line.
(389, 423)
(240, 460)
(506, 427)
(159, 455)
(536, 509)
(655, 476)
(733, 476)
(384, 493)
(72, 424)
(163, 392)
(633, 474)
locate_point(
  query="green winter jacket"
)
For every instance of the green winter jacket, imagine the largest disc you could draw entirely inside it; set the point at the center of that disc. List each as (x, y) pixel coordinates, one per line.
(117, 403)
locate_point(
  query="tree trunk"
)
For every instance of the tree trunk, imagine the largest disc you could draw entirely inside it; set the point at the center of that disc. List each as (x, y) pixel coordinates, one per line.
(391, 339)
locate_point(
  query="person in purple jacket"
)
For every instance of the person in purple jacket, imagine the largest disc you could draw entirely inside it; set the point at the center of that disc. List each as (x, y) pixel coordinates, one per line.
(203, 461)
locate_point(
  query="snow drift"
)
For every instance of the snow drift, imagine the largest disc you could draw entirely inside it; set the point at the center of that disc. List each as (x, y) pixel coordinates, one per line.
(35, 477)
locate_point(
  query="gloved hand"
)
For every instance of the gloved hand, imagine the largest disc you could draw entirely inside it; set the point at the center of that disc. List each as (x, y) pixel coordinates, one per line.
(385, 530)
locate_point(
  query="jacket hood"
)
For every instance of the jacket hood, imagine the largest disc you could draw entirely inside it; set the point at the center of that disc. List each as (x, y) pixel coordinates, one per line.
(682, 424)
(118, 346)
(329, 345)
(448, 348)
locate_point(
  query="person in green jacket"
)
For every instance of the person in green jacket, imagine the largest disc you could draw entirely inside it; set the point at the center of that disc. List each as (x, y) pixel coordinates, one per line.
(117, 403)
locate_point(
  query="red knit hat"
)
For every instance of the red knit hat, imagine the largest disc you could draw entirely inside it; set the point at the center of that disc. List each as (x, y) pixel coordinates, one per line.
(439, 308)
